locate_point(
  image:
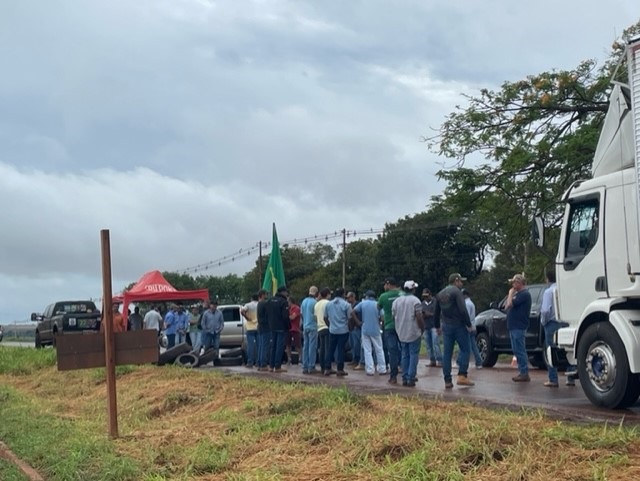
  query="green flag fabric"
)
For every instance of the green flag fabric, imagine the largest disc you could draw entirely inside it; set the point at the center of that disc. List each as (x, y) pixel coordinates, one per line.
(274, 275)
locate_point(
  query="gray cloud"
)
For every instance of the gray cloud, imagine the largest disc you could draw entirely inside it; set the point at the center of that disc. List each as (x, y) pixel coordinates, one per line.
(186, 127)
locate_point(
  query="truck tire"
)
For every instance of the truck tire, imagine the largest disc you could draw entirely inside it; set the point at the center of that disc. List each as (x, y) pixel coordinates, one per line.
(38, 340)
(488, 355)
(170, 355)
(208, 356)
(603, 368)
(188, 359)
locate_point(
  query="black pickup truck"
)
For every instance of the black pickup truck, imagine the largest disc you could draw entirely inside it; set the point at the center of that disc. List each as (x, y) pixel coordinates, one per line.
(65, 317)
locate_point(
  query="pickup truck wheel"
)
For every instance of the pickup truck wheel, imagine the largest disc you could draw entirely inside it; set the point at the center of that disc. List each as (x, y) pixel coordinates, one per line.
(488, 355)
(38, 341)
(603, 368)
(537, 360)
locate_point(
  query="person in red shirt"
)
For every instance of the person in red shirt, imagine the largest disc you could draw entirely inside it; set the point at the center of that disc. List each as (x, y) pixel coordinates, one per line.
(293, 338)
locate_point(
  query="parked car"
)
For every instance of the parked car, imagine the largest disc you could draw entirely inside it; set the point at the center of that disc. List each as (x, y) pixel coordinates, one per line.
(233, 332)
(492, 334)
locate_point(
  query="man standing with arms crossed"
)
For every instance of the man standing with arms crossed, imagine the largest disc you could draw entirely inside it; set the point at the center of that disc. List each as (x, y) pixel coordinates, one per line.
(518, 307)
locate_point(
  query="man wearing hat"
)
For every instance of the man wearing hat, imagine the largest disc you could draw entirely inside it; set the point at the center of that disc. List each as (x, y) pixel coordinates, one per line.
(518, 307)
(452, 318)
(277, 311)
(407, 313)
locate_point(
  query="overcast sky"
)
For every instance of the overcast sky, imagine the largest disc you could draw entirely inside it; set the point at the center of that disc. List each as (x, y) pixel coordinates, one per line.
(187, 127)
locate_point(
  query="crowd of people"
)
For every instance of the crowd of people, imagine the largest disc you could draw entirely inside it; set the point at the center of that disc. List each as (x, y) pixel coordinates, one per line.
(385, 333)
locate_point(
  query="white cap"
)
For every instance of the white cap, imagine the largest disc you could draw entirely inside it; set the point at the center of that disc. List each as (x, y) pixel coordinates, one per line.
(410, 285)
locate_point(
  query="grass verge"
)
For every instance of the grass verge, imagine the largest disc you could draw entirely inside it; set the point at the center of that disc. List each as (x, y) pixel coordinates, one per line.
(179, 424)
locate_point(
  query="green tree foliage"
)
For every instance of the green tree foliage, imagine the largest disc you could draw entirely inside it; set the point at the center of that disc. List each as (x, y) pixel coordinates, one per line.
(429, 246)
(536, 137)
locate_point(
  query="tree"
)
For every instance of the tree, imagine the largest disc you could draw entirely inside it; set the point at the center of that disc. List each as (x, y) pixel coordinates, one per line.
(537, 136)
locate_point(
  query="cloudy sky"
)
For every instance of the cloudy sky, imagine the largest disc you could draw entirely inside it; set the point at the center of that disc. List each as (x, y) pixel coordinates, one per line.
(186, 127)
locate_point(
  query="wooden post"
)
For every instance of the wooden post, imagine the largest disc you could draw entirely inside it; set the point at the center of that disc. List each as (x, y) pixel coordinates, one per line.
(109, 345)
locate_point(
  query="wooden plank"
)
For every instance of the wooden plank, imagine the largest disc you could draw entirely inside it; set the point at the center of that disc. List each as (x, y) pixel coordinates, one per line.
(136, 347)
(87, 351)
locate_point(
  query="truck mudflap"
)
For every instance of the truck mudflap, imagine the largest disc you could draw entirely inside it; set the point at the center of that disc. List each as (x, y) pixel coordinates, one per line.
(627, 324)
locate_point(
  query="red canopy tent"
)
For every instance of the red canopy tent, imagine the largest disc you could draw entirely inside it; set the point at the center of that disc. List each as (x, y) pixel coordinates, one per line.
(153, 287)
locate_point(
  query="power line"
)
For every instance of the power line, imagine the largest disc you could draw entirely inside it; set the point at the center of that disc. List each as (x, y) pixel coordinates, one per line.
(247, 251)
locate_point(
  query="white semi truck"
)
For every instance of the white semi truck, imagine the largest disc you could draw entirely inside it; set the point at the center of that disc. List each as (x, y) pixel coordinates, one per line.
(598, 261)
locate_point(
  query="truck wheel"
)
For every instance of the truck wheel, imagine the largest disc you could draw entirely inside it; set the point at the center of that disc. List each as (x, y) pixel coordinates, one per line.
(488, 355)
(603, 368)
(38, 341)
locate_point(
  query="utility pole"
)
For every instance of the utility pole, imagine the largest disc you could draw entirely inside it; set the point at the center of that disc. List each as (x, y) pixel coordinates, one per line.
(344, 258)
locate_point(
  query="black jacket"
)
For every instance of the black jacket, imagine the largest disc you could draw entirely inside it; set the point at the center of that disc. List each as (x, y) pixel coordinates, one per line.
(277, 310)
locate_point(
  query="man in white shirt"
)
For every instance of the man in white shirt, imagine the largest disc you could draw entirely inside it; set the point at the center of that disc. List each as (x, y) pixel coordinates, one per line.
(152, 319)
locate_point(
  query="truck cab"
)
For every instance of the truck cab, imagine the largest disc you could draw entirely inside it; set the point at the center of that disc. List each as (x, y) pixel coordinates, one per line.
(598, 261)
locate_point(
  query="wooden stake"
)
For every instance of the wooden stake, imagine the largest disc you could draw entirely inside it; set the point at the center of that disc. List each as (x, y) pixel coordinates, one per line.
(109, 346)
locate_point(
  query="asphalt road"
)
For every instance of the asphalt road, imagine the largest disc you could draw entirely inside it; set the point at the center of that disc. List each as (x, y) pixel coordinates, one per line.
(494, 388)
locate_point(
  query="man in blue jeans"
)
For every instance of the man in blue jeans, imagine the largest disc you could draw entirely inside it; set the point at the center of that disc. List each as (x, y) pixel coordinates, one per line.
(452, 318)
(550, 323)
(407, 313)
(518, 307)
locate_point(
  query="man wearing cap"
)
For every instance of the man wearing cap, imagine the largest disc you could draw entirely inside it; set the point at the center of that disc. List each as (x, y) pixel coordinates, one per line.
(309, 332)
(431, 337)
(407, 314)
(390, 337)
(368, 313)
(212, 326)
(277, 311)
(452, 318)
(337, 315)
(518, 307)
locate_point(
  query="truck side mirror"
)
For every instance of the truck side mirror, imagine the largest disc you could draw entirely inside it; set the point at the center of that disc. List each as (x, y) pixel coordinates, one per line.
(537, 231)
(34, 316)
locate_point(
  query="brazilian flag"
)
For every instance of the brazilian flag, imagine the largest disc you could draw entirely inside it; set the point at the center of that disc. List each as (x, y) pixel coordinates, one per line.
(274, 275)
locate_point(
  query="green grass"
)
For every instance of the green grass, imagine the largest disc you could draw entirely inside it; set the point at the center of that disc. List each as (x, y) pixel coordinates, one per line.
(178, 424)
(9, 472)
(19, 361)
(57, 447)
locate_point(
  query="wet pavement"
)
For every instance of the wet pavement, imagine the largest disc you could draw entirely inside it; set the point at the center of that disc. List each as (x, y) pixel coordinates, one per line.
(494, 389)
